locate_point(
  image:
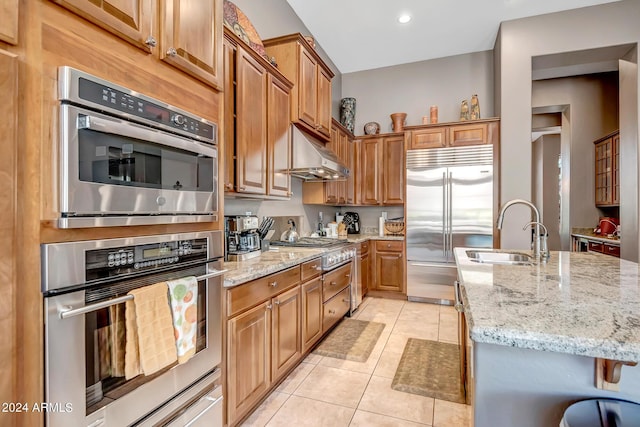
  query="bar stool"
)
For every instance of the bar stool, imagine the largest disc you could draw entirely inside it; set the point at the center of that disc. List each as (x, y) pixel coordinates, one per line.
(602, 413)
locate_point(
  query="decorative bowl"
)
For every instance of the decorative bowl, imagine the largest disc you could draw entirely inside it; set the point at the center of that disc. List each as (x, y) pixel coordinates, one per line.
(371, 128)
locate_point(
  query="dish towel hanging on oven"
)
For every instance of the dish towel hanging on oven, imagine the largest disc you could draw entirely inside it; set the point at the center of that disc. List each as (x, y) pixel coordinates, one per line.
(150, 342)
(184, 303)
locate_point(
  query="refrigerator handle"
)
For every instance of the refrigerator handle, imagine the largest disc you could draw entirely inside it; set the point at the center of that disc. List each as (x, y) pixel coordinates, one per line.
(450, 214)
(444, 214)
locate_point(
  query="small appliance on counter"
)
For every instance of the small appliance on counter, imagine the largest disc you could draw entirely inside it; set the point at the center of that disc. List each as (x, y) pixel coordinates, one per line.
(241, 237)
(352, 221)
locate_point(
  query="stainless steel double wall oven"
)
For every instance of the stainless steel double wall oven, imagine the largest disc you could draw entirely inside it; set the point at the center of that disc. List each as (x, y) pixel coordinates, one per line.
(129, 159)
(85, 286)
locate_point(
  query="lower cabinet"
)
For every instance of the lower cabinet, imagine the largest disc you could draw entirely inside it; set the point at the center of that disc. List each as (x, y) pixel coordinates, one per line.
(311, 313)
(286, 346)
(365, 268)
(389, 266)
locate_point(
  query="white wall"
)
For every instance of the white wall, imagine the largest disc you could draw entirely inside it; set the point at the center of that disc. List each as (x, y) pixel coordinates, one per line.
(413, 88)
(592, 27)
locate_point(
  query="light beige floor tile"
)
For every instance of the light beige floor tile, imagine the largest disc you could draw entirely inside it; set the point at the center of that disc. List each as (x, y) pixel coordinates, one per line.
(266, 410)
(419, 310)
(333, 385)
(416, 329)
(350, 365)
(448, 329)
(388, 364)
(450, 414)
(369, 419)
(396, 343)
(380, 398)
(300, 412)
(295, 378)
(313, 358)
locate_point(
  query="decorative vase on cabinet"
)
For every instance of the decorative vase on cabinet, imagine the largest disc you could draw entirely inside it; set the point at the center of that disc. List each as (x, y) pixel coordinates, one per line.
(397, 120)
(348, 113)
(371, 128)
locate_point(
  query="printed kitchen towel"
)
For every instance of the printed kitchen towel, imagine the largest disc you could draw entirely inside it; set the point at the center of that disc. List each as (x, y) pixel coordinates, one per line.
(154, 328)
(184, 304)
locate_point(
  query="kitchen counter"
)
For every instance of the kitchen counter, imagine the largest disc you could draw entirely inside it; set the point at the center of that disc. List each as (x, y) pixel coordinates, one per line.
(578, 303)
(281, 257)
(587, 233)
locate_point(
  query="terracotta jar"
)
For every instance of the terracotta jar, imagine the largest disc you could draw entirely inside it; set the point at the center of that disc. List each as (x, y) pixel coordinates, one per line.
(397, 120)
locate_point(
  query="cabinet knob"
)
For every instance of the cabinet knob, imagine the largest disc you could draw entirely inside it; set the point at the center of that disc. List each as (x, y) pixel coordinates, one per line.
(172, 52)
(242, 188)
(332, 312)
(269, 307)
(333, 283)
(388, 245)
(276, 302)
(347, 275)
(151, 41)
(273, 284)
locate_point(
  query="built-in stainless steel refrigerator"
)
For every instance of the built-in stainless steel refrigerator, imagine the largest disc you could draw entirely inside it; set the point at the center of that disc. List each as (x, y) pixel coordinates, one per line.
(449, 204)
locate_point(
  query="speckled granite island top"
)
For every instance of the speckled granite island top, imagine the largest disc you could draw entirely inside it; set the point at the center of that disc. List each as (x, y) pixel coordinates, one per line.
(280, 258)
(580, 303)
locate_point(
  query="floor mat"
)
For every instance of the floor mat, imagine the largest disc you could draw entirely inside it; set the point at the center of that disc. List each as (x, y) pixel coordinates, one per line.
(352, 339)
(430, 368)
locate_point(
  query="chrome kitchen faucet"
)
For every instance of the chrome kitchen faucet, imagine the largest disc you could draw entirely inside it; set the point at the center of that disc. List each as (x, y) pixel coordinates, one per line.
(536, 240)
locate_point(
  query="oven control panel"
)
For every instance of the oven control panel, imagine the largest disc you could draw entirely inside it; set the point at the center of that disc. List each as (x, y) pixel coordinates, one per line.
(337, 257)
(110, 262)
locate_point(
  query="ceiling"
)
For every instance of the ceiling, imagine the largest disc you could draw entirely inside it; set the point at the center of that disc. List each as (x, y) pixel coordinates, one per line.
(363, 34)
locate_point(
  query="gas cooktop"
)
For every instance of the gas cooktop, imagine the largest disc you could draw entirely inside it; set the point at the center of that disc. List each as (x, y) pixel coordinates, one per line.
(312, 242)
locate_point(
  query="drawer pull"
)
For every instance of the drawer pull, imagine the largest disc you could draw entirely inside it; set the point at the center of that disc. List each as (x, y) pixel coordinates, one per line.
(332, 312)
(333, 283)
(388, 245)
(347, 275)
(276, 302)
(345, 300)
(273, 284)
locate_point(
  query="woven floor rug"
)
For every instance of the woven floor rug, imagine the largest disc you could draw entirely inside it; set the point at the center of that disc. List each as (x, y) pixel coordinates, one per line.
(431, 369)
(352, 339)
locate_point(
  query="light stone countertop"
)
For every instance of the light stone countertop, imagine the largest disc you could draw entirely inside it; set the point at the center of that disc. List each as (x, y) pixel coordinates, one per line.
(590, 235)
(282, 257)
(580, 303)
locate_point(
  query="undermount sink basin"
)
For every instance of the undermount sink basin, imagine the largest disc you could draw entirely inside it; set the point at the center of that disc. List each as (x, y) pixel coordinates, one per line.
(489, 257)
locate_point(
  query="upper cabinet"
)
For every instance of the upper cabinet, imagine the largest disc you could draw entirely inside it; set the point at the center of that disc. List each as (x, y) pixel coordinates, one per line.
(257, 127)
(191, 30)
(311, 94)
(382, 170)
(191, 35)
(607, 170)
(9, 21)
(456, 134)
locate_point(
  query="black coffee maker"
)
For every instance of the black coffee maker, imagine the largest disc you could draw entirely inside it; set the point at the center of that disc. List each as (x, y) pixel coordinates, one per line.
(352, 221)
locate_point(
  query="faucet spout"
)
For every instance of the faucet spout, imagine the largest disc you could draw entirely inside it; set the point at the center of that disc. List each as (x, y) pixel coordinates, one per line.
(536, 240)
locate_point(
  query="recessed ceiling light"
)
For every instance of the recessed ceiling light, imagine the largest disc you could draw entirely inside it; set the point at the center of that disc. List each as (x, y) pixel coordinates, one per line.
(403, 19)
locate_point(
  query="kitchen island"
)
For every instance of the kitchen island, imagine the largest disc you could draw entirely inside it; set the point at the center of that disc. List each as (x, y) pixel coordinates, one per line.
(537, 332)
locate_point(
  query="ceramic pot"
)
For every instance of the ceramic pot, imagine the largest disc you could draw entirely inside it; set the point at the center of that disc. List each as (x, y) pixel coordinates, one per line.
(348, 113)
(372, 128)
(475, 108)
(397, 120)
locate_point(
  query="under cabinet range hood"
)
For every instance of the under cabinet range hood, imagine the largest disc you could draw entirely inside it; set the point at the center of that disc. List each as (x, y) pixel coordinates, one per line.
(312, 161)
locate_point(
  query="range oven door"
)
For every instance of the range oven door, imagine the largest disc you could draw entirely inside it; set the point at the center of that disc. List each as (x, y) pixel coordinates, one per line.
(117, 172)
(81, 369)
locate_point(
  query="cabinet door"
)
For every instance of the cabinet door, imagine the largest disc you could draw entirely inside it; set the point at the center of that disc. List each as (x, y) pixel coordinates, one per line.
(389, 271)
(331, 187)
(603, 178)
(286, 345)
(131, 20)
(343, 156)
(192, 38)
(468, 134)
(350, 184)
(9, 21)
(365, 274)
(429, 138)
(248, 359)
(393, 170)
(278, 138)
(307, 90)
(311, 313)
(370, 171)
(251, 125)
(323, 117)
(615, 147)
(229, 54)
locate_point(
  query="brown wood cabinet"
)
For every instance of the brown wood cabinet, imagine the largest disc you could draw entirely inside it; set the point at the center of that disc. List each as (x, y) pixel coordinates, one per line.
(607, 170)
(382, 170)
(454, 134)
(311, 94)
(364, 268)
(286, 324)
(191, 37)
(311, 313)
(9, 21)
(257, 134)
(389, 266)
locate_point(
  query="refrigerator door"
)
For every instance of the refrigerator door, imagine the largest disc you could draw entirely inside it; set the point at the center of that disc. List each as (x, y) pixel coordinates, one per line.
(470, 207)
(426, 222)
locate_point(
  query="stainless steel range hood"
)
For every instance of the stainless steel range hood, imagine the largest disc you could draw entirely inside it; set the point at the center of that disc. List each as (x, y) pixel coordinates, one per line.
(312, 161)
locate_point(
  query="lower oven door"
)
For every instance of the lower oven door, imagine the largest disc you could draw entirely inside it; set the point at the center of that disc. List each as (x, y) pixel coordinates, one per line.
(84, 355)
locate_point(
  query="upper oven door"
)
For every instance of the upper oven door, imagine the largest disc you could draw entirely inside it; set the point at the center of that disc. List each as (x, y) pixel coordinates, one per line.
(110, 166)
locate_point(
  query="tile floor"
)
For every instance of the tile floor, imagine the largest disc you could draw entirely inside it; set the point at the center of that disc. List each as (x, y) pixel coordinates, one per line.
(324, 391)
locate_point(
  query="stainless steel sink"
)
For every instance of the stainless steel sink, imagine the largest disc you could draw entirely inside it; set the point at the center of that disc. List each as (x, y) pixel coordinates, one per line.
(508, 258)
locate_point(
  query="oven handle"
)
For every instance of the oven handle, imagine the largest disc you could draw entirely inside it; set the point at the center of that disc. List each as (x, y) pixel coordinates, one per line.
(133, 130)
(68, 311)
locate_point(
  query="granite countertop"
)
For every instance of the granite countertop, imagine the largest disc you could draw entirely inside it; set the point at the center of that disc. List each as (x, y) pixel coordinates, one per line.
(280, 258)
(589, 234)
(580, 303)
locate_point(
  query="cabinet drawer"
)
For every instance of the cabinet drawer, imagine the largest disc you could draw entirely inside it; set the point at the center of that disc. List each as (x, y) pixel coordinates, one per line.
(335, 309)
(364, 248)
(474, 134)
(429, 138)
(335, 281)
(311, 269)
(595, 247)
(249, 294)
(612, 250)
(389, 246)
